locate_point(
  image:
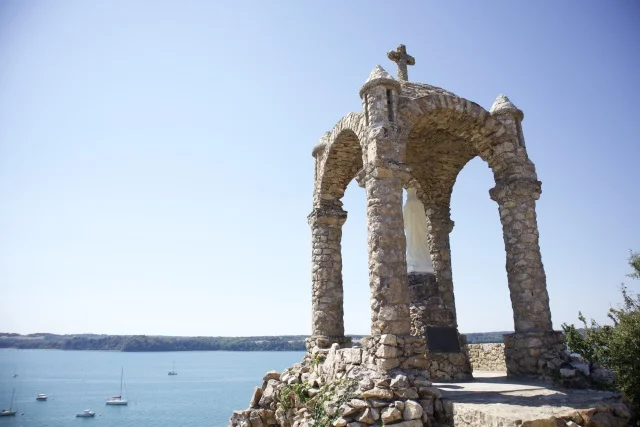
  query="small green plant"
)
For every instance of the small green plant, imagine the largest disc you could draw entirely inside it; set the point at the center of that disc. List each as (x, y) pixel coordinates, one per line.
(616, 347)
(288, 392)
(339, 391)
(317, 359)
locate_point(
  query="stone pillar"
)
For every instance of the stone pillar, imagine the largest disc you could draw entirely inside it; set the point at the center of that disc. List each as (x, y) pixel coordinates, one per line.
(387, 249)
(534, 337)
(525, 272)
(327, 293)
(433, 311)
(383, 177)
(439, 226)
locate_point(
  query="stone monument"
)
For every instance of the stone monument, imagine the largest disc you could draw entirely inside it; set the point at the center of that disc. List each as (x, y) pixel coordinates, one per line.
(413, 135)
(417, 137)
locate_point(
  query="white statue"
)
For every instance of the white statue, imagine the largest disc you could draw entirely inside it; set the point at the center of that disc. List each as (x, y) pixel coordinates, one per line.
(415, 228)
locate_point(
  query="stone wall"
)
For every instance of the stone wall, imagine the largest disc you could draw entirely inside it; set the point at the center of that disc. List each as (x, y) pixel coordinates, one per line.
(487, 357)
(383, 382)
(429, 307)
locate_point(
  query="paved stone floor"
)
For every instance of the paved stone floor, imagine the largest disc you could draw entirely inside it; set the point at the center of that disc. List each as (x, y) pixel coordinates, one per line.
(493, 399)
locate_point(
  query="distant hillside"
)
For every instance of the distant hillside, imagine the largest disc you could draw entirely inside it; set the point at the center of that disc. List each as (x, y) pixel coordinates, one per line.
(486, 337)
(168, 343)
(150, 343)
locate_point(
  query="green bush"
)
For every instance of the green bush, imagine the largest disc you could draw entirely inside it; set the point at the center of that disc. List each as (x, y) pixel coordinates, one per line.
(616, 347)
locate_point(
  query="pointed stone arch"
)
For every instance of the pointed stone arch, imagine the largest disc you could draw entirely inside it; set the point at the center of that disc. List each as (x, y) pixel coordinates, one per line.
(339, 157)
(442, 133)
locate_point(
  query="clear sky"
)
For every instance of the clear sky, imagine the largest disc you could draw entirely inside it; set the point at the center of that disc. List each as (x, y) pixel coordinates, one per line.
(156, 168)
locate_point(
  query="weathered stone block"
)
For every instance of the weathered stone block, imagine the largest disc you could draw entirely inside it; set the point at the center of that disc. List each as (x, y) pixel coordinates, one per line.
(387, 364)
(388, 352)
(358, 403)
(389, 415)
(388, 339)
(255, 398)
(412, 410)
(352, 356)
(271, 375)
(378, 393)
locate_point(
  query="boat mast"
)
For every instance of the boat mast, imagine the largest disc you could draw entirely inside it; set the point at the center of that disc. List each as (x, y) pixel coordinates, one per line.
(12, 394)
(121, 375)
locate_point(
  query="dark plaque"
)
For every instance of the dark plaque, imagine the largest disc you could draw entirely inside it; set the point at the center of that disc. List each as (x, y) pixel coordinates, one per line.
(442, 339)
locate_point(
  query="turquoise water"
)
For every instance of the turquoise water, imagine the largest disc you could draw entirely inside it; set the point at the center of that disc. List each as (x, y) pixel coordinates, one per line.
(208, 387)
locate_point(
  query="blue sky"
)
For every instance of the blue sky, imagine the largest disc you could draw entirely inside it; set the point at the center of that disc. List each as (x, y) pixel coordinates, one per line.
(156, 169)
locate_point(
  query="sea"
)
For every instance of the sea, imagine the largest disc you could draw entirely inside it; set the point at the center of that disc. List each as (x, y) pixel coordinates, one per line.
(209, 386)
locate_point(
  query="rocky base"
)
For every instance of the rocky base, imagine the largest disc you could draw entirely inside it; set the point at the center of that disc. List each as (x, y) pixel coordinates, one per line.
(533, 354)
(542, 355)
(359, 397)
(387, 382)
(356, 396)
(428, 308)
(449, 367)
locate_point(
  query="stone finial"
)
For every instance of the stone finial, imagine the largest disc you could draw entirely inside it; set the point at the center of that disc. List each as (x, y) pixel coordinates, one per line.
(400, 57)
(379, 77)
(502, 105)
(321, 145)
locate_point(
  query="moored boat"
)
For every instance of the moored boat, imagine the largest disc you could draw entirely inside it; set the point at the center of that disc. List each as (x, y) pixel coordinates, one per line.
(9, 412)
(86, 414)
(41, 396)
(118, 400)
(173, 371)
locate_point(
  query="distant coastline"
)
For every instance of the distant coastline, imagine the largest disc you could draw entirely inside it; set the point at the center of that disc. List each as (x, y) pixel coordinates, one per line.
(138, 343)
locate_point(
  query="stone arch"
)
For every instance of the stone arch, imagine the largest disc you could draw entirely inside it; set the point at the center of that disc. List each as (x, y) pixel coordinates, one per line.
(339, 157)
(457, 130)
(442, 134)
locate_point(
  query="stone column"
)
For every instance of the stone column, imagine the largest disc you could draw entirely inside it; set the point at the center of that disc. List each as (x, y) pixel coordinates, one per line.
(525, 272)
(383, 176)
(387, 248)
(534, 337)
(327, 293)
(436, 309)
(439, 226)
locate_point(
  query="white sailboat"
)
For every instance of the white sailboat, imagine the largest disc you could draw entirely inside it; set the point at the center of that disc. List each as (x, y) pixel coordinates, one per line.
(118, 400)
(9, 412)
(173, 371)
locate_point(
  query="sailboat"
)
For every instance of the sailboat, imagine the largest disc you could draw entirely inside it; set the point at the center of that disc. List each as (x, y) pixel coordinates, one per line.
(118, 400)
(173, 371)
(9, 412)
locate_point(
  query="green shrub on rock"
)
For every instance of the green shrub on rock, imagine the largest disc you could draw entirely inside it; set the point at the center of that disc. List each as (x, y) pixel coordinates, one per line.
(616, 346)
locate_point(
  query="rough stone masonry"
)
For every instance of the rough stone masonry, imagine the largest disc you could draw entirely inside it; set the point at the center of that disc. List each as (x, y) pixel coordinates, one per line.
(411, 136)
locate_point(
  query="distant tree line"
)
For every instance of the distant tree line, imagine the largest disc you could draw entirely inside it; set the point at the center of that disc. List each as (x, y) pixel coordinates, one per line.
(165, 343)
(486, 337)
(150, 343)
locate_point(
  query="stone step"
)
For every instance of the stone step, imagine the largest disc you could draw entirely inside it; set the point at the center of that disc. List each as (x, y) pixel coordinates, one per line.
(492, 399)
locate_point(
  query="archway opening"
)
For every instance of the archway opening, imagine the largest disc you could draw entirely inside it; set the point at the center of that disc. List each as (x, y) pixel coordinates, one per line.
(478, 256)
(355, 262)
(442, 149)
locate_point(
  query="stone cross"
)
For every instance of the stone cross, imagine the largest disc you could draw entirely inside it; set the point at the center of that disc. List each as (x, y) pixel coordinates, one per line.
(400, 57)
